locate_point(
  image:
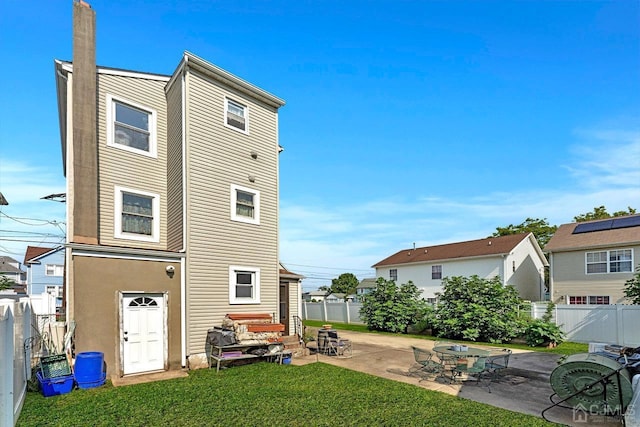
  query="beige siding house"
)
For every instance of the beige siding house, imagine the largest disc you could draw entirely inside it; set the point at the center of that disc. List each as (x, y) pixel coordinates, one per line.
(172, 205)
(591, 261)
(516, 259)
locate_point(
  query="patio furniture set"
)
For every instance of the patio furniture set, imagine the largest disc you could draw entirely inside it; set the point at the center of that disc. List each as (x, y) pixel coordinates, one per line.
(451, 362)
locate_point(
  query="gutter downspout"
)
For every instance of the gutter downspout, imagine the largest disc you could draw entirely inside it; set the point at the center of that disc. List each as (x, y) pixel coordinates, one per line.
(183, 263)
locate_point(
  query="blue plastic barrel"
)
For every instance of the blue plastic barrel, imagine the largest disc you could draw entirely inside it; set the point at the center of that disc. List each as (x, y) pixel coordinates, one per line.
(88, 369)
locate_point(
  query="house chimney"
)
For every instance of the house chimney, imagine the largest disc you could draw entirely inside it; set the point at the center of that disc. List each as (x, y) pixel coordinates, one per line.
(85, 150)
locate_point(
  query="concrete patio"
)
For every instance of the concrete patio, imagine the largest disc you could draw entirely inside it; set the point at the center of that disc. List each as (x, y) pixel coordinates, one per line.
(523, 388)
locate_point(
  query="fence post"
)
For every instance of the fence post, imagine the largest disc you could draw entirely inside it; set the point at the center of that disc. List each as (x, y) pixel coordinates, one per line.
(6, 363)
(348, 315)
(324, 310)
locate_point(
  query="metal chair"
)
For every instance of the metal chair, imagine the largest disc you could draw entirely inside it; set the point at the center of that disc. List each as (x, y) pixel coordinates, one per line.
(424, 365)
(339, 347)
(497, 362)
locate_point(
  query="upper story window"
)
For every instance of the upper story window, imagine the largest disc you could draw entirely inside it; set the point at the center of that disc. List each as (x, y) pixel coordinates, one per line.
(436, 272)
(245, 205)
(393, 274)
(131, 126)
(244, 285)
(236, 115)
(137, 215)
(615, 261)
(54, 270)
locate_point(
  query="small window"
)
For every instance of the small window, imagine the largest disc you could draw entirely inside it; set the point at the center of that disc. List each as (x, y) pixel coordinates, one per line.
(393, 274)
(54, 270)
(591, 299)
(436, 272)
(577, 300)
(615, 261)
(137, 215)
(244, 285)
(131, 127)
(237, 116)
(245, 205)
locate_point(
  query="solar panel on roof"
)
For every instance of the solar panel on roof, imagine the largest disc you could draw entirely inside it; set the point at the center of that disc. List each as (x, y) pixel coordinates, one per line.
(628, 221)
(589, 227)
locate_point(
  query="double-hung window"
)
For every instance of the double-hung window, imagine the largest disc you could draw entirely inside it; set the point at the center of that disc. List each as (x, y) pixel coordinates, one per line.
(137, 215)
(236, 115)
(244, 285)
(131, 126)
(54, 270)
(245, 204)
(436, 272)
(615, 261)
(393, 274)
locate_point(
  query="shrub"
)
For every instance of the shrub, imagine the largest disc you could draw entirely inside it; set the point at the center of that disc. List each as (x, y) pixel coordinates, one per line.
(392, 308)
(543, 331)
(478, 309)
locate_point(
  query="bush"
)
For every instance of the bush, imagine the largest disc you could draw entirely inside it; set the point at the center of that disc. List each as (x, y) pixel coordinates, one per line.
(478, 309)
(392, 308)
(543, 331)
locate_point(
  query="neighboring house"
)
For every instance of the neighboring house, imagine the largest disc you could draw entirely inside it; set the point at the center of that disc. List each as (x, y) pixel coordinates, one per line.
(339, 297)
(11, 269)
(516, 259)
(314, 296)
(45, 271)
(172, 203)
(365, 287)
(591, 261)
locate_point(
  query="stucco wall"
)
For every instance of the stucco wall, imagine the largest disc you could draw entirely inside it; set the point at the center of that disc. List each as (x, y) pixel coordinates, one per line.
(99, 283)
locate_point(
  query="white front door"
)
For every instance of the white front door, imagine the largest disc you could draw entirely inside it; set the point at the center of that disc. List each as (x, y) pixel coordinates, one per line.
(143, 338)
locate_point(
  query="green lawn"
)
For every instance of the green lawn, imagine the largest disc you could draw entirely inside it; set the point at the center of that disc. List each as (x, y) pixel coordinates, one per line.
(266, 394)
(567, 348)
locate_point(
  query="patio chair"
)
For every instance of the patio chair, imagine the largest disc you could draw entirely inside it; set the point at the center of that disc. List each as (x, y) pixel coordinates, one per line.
(448, 363)
(339, 347)
(424, 364)
(497, 362)
(478, 370)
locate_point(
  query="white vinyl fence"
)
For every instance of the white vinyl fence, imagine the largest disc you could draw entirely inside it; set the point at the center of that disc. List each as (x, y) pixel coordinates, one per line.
(15, 360)
(339, 312)
(611, 324)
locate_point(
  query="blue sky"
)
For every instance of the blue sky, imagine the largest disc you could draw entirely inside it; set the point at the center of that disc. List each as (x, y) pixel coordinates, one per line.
(406, 121)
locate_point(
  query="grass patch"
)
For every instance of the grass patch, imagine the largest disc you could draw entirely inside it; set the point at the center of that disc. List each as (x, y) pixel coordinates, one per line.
(566, 348)
(266, 394)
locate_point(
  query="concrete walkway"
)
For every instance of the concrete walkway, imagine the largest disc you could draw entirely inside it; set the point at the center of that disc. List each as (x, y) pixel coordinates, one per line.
(524, 387)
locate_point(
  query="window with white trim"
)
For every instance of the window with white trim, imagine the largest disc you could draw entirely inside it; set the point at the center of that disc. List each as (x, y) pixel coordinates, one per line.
(54, 270)
(393, 274)
(245, 204)
(436, 272)
(244, 285)
(236, 115)
(137, 215)
(131, 126)
(614, 261)
(588, 299)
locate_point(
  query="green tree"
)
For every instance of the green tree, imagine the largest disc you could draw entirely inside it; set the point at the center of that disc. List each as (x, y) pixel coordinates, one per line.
(600, 212)
(346, 284)
(6, 283)
(539, 227)
(392, 308)
(632, 287)
(477, 309)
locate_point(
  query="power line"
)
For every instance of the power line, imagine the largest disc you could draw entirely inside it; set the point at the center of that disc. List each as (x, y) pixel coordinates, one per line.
(327, 268)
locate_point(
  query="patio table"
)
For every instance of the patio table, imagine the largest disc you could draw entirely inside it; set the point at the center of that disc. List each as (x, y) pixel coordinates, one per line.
(451, 358)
